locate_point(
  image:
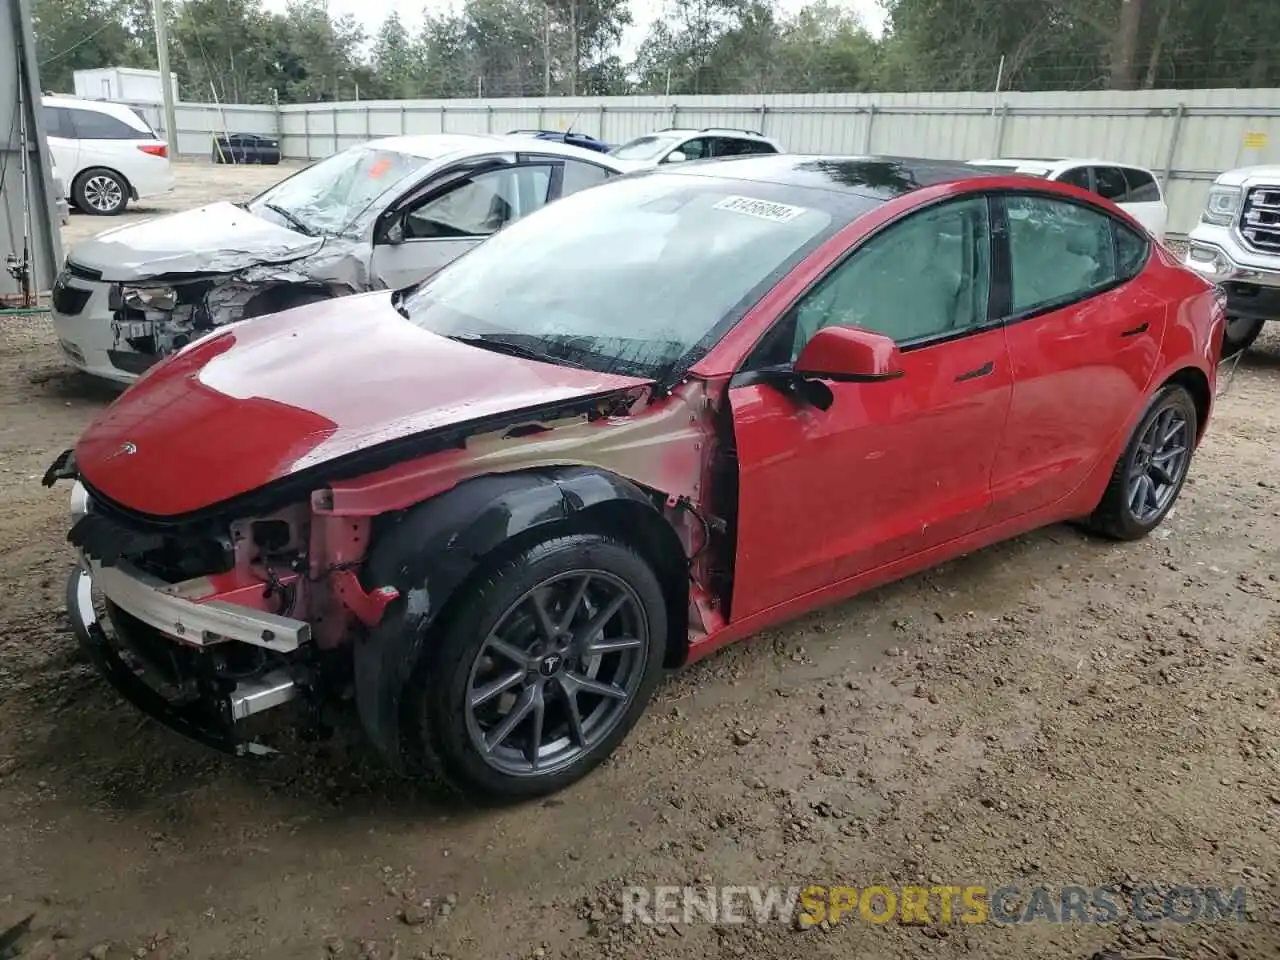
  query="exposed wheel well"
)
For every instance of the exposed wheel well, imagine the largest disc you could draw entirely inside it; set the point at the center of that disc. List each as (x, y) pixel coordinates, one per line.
(631, 523)
(1196, 384)
(285, 295)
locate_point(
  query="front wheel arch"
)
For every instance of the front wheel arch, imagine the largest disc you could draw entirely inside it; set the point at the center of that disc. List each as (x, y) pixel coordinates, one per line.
(431, 551)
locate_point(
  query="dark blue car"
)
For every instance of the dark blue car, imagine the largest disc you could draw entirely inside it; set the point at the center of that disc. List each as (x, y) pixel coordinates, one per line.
(571, 137)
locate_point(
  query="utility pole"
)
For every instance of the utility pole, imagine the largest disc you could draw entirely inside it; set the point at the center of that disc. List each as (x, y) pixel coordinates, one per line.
(166, 78)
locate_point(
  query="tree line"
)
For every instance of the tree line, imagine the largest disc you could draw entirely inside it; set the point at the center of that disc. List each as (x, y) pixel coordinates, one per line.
(238, 51)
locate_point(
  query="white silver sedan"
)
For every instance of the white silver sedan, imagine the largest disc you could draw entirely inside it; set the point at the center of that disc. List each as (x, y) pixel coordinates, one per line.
(383, 214)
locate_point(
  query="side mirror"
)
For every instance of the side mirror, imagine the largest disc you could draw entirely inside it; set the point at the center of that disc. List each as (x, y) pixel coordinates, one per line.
(395, 233)
(676, 156)
(849, 355)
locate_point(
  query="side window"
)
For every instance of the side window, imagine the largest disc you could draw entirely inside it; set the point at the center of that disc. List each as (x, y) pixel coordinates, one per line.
(1142, 186)
(1131, 251)
(480, 205)
(91, 125)
(696, 149)
(757, 146)
(1110, 184)
(1058, 252)
(1077, 177)
(578, 175)
(53, 126)
(730, 147)
(926, 276)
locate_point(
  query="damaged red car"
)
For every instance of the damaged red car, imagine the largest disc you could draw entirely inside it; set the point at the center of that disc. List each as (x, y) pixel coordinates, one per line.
(644, 422)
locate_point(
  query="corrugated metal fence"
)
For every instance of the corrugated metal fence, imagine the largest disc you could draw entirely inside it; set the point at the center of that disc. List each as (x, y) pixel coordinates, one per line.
(1186, 136)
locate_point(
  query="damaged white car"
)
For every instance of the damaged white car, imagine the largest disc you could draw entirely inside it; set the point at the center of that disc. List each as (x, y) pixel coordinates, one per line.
(384, 214)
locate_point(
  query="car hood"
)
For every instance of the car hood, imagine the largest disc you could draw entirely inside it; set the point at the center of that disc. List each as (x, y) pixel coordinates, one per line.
(217, 238)
(295, 393)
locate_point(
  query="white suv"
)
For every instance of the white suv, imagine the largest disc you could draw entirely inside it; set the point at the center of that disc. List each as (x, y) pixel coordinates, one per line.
(106, 154)
(675, 144)
(1132, 189)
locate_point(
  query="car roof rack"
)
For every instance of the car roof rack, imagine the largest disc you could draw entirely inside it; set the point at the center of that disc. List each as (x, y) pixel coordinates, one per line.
(752, 133)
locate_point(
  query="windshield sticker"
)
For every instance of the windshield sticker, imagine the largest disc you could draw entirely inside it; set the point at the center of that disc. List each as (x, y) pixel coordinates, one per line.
(379, 167)
(764, 209)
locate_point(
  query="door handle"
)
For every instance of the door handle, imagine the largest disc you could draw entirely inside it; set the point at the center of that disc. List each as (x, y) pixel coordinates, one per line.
(982, 371)
(1136, 330)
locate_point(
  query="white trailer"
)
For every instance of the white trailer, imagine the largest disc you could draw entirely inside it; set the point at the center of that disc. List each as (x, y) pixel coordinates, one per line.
(125, 84)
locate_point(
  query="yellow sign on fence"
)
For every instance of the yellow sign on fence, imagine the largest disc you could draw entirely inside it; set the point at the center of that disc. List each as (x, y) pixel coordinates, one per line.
(1255, 140)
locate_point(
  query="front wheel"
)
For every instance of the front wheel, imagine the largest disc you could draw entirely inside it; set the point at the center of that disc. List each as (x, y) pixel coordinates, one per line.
(1150, 473)
(1239, 335)
(540, 670)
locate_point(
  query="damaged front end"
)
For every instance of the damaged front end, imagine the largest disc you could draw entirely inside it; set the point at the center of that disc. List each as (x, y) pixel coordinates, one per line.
(206, 626)
(213, 617)
(151, 320)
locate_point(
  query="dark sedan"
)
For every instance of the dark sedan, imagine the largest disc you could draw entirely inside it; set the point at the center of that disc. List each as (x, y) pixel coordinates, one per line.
(245, 148)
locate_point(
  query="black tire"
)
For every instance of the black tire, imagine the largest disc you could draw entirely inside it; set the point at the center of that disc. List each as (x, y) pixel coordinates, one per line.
(282, 298)
(100, 192)
(1114, 516)
(1240, 335)
(437, 728)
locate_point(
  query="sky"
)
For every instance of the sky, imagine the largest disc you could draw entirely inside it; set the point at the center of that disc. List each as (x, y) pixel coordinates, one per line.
(371, 13)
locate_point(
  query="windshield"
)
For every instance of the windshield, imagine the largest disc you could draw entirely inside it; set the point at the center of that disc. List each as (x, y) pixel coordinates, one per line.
(632, 277)
(330, 196)
(644, 148)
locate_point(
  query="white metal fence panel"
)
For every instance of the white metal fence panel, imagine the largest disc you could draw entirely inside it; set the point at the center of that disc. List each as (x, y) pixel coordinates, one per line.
(1186, 136)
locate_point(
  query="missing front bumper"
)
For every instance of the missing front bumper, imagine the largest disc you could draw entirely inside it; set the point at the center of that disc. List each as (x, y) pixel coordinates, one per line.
(210, 720)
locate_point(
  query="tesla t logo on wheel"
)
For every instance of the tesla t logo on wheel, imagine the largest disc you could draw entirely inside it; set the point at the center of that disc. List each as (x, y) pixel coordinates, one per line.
(549, 664)
(126, 450)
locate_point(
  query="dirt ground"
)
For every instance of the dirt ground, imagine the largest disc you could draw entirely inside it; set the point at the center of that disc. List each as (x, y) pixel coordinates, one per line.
(1056, 710)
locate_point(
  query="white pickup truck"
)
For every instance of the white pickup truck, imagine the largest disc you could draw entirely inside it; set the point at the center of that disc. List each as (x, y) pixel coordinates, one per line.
(1236, 244)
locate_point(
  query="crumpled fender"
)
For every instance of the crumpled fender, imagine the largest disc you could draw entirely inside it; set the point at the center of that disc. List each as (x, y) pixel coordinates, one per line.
(431, 550)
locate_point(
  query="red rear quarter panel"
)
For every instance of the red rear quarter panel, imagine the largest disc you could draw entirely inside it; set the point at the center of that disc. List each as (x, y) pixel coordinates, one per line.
(1193, 332)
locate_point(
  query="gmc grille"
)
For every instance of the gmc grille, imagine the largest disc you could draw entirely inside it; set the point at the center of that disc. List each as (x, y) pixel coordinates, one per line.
(1260, 219)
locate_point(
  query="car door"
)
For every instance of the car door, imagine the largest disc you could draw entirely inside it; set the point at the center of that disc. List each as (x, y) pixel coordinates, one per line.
(443, 219)
(104, 141)
(62, 144)
(1144, 201)
(893, 467)
(1083, 343)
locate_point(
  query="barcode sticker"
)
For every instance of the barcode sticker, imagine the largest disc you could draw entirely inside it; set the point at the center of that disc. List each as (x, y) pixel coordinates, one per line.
(763, 209)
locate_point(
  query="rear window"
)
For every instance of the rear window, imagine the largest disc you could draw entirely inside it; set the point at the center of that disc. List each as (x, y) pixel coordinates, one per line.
(92, 125)
(1142, 186)
(143, 120)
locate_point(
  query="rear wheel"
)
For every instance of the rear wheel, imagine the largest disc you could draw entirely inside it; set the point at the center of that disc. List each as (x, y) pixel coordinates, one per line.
(100, 192)
(1150, 473)
(541, 670)
(1240, 335)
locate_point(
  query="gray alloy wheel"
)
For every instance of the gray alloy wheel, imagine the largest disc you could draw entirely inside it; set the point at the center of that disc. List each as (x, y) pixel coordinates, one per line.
(1159, 465)
(101, 193)
(1149, 475)
(556, 674)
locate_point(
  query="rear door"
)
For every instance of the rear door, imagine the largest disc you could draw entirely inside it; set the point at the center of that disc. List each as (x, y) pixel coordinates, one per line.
(891, 468)
(436, 223)
(1083, 342)
(63, 144)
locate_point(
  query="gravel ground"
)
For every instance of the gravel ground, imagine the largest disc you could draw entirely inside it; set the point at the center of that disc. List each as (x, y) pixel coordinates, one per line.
(1055, 711)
